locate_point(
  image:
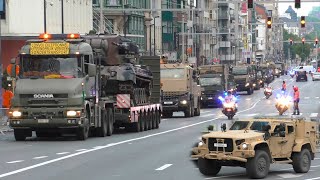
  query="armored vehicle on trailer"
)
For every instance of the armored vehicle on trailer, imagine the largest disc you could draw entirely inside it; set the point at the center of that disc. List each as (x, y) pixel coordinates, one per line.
(82, 85)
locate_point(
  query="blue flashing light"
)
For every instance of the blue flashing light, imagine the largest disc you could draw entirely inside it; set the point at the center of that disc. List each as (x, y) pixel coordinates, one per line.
(225, 93)
(220, 98)
(278, 96)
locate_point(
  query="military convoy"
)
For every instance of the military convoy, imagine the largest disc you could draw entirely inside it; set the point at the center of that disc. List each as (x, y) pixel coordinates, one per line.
(255, 144)
(84, 85)
(180, 89)
(215, 80)
(245, 81)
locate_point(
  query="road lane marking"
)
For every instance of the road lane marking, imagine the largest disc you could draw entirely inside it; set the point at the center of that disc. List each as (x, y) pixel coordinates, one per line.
(12, 162)
(248, 99)
(307, 97)
(163, 167)
(114, 144)
(164, 119)
(317, 97)
(289, 175)
(81, 150)
(205, 111)
(61, 153)
(314, 115)
(207, 115)
(40, 157)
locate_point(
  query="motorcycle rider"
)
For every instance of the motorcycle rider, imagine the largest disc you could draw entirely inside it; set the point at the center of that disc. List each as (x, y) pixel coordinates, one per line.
(284, 86)
(296, 98)
(231, 98)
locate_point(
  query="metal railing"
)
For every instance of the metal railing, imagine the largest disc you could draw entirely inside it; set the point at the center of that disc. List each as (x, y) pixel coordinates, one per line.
(107, 23)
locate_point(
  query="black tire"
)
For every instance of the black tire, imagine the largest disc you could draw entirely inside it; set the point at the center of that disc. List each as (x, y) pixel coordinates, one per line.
(230, 117)
(83, 132)
(40, 134)
(143, 122)
(301, 161)
(208, 167)
(187, 112)
(19, 135)
(109, 121)
(157, 119)
(249, 92)
(258, 167)
(267, 97)
(149, 120)
(153, 120)
(102, 131)
(136, 126)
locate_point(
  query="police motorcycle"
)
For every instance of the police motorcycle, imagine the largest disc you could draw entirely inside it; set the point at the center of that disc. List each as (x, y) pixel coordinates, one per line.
(292, 73)
(229, 108)
(282, 102)
(268, 92)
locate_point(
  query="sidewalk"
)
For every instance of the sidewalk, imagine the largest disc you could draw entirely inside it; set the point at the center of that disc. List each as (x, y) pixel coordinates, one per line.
(3, 125)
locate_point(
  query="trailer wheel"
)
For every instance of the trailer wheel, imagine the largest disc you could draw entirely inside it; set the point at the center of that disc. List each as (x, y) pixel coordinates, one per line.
(142, 121)
(136, 126)
(152, 118)
(146, 121)
(109, 121)
(197, 110)
(19, 135)
(83, 132)
(102, 131)
(157, 119)
(187, 112)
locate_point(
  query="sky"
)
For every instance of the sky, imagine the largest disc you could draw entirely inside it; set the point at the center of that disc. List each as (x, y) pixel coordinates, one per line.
(306, 7)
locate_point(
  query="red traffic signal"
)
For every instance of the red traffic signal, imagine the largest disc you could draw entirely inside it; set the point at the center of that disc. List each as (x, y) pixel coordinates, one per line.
(316, 41)
(269, 22)
(250, 4)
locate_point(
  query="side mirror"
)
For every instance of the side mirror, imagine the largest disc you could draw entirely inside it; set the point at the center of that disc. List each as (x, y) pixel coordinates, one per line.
(13, 61)
(92, 70)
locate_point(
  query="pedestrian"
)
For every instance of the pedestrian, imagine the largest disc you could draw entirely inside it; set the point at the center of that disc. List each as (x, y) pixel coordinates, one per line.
(6, 98)
(284, 86)
(296, 98)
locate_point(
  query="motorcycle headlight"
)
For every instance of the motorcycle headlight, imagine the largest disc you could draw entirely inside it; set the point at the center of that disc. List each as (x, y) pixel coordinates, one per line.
(247, 84)
(16, 114)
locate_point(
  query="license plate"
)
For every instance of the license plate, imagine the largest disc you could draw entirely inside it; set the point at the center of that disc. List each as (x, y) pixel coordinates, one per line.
(43, 120)
(228, 109)
(219, 145)
(210, 98)
(168, 102)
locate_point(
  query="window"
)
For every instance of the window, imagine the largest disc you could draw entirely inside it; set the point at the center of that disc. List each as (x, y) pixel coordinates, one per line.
(2, 9)
(290, 129)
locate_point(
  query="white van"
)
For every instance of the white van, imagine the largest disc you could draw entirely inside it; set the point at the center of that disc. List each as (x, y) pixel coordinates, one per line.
(308, 69)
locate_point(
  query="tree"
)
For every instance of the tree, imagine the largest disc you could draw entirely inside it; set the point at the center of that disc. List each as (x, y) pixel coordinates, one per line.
(303, 50)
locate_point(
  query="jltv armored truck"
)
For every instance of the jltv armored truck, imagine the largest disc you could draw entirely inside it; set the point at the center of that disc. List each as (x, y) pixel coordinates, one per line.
(255, 144)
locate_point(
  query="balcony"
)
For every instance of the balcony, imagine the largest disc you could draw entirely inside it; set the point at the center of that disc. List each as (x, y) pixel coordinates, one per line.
(226, 4)
(229, 57)
(226, 30)
(223, 15)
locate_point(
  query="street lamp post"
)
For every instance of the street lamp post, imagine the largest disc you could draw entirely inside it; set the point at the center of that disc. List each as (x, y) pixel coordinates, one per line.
(45, 15)
(62, 17)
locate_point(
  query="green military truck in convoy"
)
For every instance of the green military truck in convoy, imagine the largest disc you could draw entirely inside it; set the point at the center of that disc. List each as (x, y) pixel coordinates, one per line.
(244, 78)
(88, 84)
(180, 90)
(215, 80)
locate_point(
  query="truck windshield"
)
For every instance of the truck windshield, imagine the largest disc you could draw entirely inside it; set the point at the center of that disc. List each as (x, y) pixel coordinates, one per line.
(210, 81)
(172, 73)
(240, 71)
(50, 67)
(239, 125)
(279, 66)
(258, 125)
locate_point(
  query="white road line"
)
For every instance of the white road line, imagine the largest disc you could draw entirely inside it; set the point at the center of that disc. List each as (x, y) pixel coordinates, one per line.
(316, 158)
(163, 167)
(40, 157)
(12, 162)
(205, 111)
(164, 119)
(61, 153)
(81, 150)
(317, 97)
(207, 115)
(248, 99)
(314, 115)
(114, 144)
(307, 97)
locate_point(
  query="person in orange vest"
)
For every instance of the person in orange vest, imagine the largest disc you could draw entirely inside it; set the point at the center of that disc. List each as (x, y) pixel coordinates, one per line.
(318, 70)
(284, 86)
(6, 97)
(296, 98)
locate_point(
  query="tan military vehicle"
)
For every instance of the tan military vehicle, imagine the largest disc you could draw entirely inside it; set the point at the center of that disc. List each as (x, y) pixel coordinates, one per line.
(180, 89)
(255, 144)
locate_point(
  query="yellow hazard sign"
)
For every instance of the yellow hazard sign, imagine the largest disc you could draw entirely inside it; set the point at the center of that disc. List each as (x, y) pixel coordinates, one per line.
(49, 48)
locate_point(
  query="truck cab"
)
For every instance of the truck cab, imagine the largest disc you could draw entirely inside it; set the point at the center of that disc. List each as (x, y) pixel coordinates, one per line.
(244, 78)
(180, 90)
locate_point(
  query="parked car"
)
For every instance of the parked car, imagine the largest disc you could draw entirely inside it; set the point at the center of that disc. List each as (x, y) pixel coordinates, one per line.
(315, 76)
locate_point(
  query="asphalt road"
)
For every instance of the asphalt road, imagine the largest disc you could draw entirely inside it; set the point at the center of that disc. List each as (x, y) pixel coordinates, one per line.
(156, 154)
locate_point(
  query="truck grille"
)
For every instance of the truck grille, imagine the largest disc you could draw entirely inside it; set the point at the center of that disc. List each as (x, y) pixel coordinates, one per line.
(43, 102)
(173, 96)
(227, 142)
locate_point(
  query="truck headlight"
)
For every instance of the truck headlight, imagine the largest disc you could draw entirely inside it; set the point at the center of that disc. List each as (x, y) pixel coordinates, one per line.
(73, 113)
(184, 102)
(244, 146)
(200, 143)
(16, 114)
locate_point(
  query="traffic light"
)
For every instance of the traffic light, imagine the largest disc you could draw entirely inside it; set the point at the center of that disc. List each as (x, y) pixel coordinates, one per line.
(250, 4)
(316, 41)
(291, 42)
(303, 22)
(303, 40)
(297, 4)
(269, 22)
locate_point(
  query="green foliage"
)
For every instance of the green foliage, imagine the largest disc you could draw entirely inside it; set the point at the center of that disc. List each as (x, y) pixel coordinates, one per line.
(303, 50)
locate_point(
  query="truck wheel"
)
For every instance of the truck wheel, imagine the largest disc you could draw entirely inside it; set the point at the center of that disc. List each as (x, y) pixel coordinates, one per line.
(83, 132)
(157, 119)
(148, 121)
(208, 167)
(19, 134)
(301, 161)
(153, 120)
(142, 122)
(187, 112)
(197, 110)
(109, 121)
(102, 131)
(136, 126)
(249, 91)
(258, 167)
